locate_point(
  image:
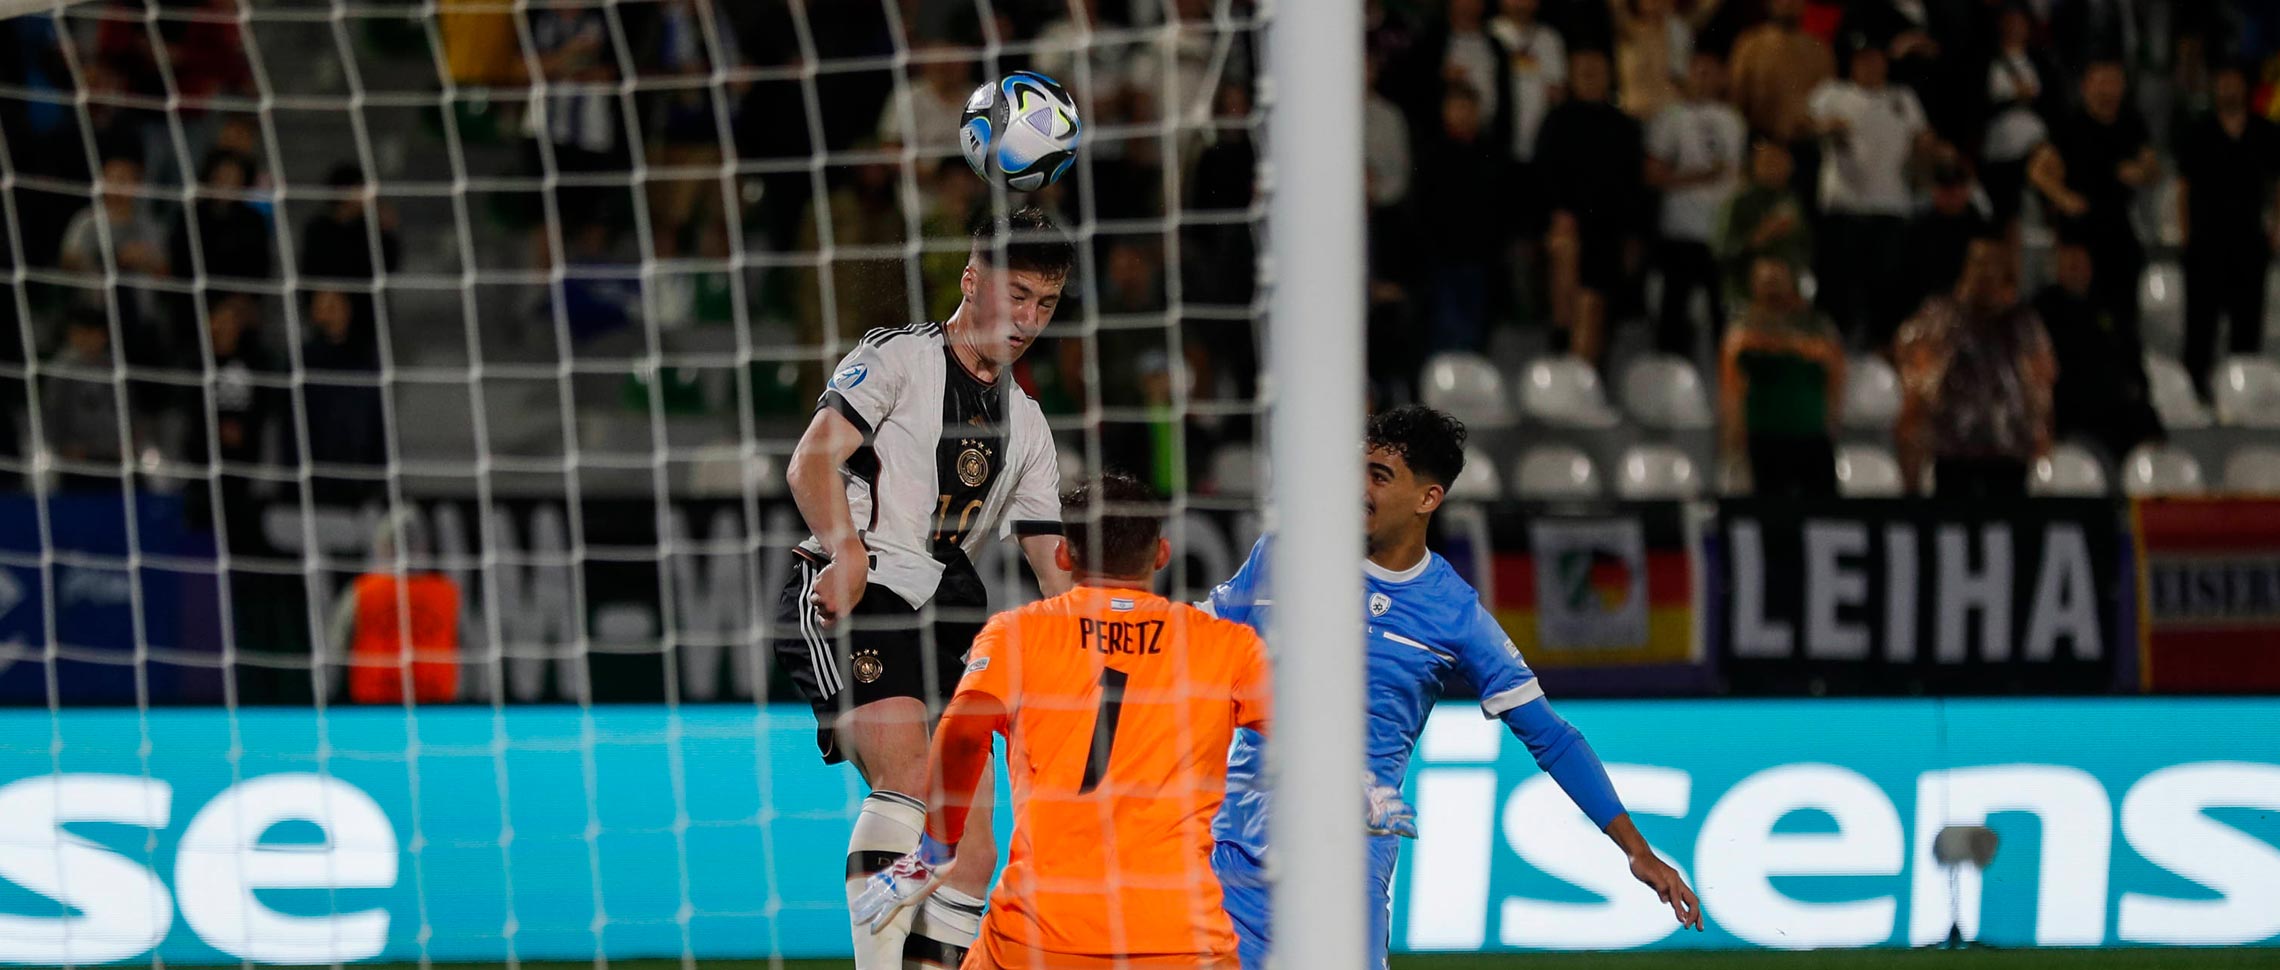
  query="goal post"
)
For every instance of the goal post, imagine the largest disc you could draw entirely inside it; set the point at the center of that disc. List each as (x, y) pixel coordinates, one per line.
(1314, 337)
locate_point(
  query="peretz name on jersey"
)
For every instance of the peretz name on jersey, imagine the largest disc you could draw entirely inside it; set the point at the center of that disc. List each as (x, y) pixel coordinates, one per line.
(1121, 637)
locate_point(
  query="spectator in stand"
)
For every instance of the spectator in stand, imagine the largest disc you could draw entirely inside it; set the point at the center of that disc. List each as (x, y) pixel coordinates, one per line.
(1395, 355)
(1592, 152)
(1694, 156)
(1782, 370)
(232, 423)
(2022, 97)
(575, 131)
(1874, 130)
(868, 290)
(1776, 67)
(1938, 237)
(2226, 164)
(2085, 33)
(116, 234)
(1460, 48)
(2102, 393)
(79, 405)
(232, 237)
(923, 113)
(339, 247)
(1926, 44)
(1765, 218)
(341, 403)
(1654, 48)
(688, 39)
(2089, 172)
(1976, 370)
(1462, 176)
(1385, 142)
(1538, 65)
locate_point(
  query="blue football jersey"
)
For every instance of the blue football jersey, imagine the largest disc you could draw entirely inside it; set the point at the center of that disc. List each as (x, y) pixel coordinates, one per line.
(1423, 625)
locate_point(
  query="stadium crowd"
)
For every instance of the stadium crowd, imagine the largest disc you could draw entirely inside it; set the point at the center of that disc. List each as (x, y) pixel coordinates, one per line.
(1967, 191)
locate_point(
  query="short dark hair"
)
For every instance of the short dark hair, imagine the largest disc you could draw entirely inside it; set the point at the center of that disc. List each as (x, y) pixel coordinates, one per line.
(1431, 442)
(1032, 242)
(1111, 525)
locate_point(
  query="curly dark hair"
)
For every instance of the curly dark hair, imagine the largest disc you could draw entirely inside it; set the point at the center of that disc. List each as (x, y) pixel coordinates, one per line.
(1431, 442)
(1032, 242)
(1111, 525)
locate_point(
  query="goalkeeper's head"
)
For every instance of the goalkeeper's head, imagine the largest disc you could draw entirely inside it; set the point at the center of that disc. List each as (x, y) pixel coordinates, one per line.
(1012, 283)
(1112, 532)
(1414, 454)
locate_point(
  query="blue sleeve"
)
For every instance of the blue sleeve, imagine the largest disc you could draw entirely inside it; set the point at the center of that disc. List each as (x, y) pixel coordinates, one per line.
(1239, 598)
(1510, 691)
(1563, 754)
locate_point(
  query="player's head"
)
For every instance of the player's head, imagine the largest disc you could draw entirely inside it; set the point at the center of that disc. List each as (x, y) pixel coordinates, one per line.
(1013, 280)
(1112, 528)
(1413, 455)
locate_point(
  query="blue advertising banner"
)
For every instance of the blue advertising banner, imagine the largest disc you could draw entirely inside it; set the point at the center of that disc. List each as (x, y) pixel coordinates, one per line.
(83, 592)
(279, 836)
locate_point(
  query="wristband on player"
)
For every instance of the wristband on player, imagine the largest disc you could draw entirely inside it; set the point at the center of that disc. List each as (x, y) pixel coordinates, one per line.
(932, 852)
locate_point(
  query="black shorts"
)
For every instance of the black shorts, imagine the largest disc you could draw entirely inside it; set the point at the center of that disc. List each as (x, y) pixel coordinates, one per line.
(884, 648)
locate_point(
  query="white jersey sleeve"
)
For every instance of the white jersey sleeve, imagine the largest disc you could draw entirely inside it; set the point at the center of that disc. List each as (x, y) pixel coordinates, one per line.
(1036, 505)
(867, 385)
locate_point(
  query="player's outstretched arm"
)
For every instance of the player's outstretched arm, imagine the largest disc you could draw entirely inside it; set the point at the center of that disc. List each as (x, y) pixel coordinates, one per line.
(961, 753)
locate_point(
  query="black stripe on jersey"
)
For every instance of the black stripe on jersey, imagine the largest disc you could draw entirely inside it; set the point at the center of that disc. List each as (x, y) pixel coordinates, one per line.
(880, 336)
(921, 951)
(838, 402)
(864, 465)
(1036, 527)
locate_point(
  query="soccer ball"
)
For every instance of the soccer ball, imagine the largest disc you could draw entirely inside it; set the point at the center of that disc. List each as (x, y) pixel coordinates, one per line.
(1022, 128)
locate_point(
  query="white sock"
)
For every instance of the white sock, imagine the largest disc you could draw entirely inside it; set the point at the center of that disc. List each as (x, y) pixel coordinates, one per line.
(885, 830)
(948, 924)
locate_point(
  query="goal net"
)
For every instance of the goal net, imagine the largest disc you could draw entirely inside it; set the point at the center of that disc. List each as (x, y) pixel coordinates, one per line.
(487, 328)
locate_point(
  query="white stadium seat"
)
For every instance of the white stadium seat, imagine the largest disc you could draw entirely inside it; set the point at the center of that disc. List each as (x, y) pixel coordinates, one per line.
(1657, 472)
(1872, 394)
(2253, 470)
(1470, 387)
(1867, 471)
(1564, 391)
(1236, 470)
(2173, 397)
(2070, 470)
(2248, 392)
(2161, 292)
(1479, 482)
(2156, 470)
(1555, 472)
(1666, 392)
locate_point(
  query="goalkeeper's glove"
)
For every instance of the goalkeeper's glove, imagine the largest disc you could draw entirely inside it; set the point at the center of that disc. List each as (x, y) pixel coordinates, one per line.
(904, 884)
(1386, 813)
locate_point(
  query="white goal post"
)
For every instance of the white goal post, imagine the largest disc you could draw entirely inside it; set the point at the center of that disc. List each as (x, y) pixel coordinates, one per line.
(1314, 335)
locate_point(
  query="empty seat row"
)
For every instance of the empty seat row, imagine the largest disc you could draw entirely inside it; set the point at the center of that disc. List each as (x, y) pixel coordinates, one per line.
(1667, 393)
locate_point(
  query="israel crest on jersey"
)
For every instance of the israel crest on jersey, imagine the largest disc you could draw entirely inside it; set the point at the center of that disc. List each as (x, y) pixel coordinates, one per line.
(1379, 603)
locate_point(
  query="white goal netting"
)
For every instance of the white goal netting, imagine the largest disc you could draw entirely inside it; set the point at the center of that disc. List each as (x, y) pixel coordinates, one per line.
(505, 317)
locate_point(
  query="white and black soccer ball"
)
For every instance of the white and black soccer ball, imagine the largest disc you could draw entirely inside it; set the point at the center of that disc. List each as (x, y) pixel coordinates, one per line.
(1022, 128)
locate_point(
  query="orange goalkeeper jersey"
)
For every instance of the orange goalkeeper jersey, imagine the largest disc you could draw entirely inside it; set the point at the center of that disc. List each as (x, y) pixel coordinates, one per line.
(1120, 706)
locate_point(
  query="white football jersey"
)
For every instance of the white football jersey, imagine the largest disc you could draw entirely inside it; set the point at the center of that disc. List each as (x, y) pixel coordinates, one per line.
(947, 462)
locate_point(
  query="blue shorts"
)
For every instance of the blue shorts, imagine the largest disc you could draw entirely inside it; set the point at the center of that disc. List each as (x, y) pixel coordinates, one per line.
(1244, 891)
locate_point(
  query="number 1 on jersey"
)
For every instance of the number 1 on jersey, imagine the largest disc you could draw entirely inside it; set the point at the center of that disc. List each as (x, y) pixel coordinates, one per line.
(1104, 727)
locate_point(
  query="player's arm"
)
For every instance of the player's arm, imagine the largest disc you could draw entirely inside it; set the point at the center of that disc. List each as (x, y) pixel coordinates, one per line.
(1511, 693)
(862, 393)
(1237, 599)
(1035, 518)
(962, 743)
